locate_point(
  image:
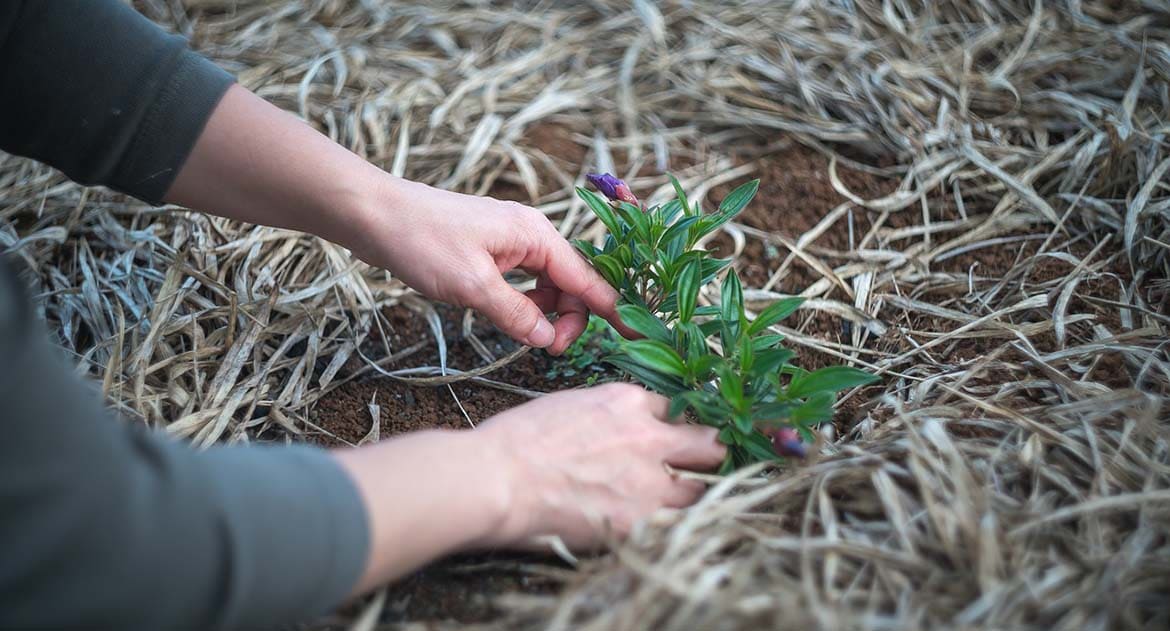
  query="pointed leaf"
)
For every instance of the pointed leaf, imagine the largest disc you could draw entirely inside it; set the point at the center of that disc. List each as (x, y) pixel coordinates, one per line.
(645, 323)
(602, 209)
(818, 408)
(770, 360)
(763, 342)
(731, 303)
(586, 248)
(682, 195)
(689, 282)
(656, 355)
(774, 313)
(831, 379)
(737, 199)
(611, 270)
(661, 383)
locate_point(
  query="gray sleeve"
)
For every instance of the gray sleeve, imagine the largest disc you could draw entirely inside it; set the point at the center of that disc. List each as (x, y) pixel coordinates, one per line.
(96, 90)
(107, 526)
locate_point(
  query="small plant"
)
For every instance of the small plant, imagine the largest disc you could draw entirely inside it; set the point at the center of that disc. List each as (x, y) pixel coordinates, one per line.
(582, 356)
(732, 373)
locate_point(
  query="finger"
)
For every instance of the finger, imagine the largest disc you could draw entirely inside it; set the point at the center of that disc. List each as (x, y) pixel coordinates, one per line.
(514, 313)
(573, 275)
(545, 298)
(572, 318)
(694, 448)
(658, 406)
(683, 493)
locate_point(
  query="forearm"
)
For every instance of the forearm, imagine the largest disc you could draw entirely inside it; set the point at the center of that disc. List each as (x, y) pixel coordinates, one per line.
(427, 495)
(257, 163)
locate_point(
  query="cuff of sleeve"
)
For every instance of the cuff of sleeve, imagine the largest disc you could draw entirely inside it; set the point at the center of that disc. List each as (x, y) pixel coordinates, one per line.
(171, 126)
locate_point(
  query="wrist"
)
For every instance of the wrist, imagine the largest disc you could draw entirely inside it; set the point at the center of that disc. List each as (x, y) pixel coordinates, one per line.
(357, 212)
(491, 490)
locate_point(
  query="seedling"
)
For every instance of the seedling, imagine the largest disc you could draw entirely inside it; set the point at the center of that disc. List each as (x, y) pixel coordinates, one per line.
(732, 373)
(583, 356)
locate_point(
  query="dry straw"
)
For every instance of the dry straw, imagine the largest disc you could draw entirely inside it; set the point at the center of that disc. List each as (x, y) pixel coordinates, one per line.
(1013, 473)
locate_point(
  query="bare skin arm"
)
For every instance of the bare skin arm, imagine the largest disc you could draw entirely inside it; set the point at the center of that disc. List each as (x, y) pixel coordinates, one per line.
(257, 163)
(574, 464)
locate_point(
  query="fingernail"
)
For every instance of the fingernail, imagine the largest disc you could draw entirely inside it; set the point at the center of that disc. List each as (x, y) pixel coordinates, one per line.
(542, 334)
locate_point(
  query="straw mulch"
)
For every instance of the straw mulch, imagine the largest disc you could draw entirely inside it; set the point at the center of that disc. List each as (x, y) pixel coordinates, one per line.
(1012, 469)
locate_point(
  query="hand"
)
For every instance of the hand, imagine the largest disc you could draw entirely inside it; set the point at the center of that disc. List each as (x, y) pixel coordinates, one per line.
(455, 248)
(583, 462)
(576, 464)
(256, 163)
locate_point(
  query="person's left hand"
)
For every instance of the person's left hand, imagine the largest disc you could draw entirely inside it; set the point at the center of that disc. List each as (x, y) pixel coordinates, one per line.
(455, 248)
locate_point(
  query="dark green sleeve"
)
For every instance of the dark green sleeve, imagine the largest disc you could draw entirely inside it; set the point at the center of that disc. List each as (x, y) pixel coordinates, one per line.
(95, 89)
(107, 526)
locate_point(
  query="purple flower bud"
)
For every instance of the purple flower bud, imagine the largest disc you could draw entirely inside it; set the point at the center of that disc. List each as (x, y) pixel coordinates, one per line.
(612, 187)
(786, 442)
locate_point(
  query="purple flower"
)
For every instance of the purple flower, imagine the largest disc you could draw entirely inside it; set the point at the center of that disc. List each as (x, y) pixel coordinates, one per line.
(612, 187)
(786, 442)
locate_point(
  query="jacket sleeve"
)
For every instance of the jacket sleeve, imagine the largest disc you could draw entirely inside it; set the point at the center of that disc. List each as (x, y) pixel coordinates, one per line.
(103, 525)
(96, 90)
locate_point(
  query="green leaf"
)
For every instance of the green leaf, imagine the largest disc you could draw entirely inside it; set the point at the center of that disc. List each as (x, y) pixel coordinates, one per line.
(677, 232)
(645, 252)
(657, 356)
(728, 436)
(636, 218)
(746, 355)
(770, 360)
(730, 386)
(731, 303)
(664, 384)
(763, 342)
(711, 327)
(602, 209)
(688, 291)
(738, 199)
(586, 248)
(760, 447)
(711, 267)
(670, 210)
(682, 195)
(624, 254)
(831, 379)
(774, 313)
(691, 337)
(611, 270)
(707, 310)
(645, 323)
(702, 366)
(728, 209)
(818, 408)
(708, 407)
(773, 411)
(743, 423)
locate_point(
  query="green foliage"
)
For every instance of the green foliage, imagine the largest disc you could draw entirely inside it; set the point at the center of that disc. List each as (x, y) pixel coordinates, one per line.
(585, 355)
(730, 372)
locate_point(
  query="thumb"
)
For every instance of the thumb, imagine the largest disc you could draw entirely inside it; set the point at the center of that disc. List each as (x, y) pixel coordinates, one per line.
(514, 313)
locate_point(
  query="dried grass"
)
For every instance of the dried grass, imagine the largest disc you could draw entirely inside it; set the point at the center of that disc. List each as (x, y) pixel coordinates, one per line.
(1012, 472)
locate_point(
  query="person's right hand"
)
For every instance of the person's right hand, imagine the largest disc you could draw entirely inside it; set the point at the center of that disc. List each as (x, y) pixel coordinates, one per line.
(581, 463)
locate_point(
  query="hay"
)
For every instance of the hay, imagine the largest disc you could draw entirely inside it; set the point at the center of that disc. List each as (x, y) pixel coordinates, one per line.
(1025, 485)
